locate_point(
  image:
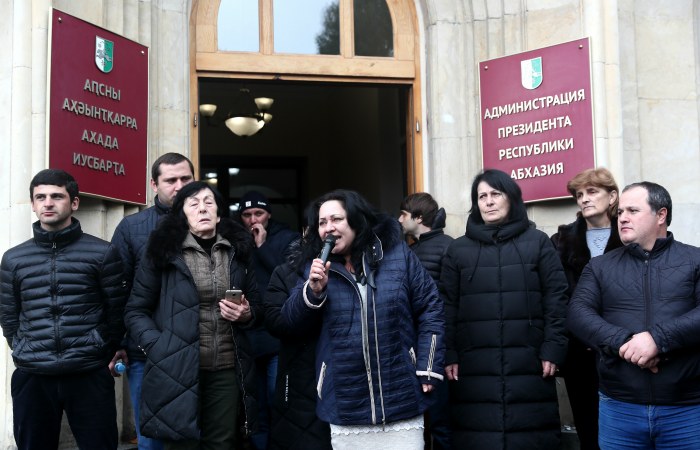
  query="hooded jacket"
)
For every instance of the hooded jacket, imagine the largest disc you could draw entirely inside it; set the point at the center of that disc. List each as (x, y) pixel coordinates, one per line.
(62, 301)
(163, 315)
(371, 362)
(628, 291)
(505, 303)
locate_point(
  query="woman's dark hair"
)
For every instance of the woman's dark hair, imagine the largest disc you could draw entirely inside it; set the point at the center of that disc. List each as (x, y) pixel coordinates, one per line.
(191, 189)
(361, 215)
(501, 182)
(174, 227)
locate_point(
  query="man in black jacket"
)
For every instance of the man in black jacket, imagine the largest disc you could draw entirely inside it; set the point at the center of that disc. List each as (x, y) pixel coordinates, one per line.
(272, 239)
(422, 220)
(639, 307)
(169, 173)
(62, 302)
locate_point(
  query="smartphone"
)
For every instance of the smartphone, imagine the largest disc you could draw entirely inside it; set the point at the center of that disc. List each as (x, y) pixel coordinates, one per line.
(234, 295)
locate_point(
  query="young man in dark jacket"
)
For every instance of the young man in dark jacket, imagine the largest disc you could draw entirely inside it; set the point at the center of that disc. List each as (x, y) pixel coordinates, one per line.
(169, 173)
(637, 306)
(422, 220)
(62, 303)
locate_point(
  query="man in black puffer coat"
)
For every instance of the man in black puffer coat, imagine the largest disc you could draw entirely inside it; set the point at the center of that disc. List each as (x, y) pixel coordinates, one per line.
(62, 300)
(637, 306)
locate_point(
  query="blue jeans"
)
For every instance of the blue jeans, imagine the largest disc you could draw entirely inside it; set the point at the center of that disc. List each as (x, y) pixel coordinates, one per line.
(631, 426)
(134, 375)
(266, 367)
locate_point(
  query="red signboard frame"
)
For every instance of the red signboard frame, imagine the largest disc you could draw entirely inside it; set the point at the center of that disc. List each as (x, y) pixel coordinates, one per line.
(537, 117)
(98, 109)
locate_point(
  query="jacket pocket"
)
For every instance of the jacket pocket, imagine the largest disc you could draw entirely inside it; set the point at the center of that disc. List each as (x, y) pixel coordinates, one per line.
(321, 377)
(18, 346)
(97, 338)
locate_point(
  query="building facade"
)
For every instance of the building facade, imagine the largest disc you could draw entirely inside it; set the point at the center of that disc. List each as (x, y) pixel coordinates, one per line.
(645, 59)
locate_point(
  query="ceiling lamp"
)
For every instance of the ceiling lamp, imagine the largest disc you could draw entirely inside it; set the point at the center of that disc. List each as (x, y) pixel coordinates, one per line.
(251, 114)
(207, 109)
(248, 116)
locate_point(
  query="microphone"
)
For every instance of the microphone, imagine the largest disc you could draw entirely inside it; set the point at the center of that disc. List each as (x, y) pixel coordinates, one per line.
(328, 245)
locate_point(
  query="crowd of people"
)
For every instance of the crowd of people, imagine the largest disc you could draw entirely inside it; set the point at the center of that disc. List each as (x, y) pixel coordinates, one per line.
(242, 333)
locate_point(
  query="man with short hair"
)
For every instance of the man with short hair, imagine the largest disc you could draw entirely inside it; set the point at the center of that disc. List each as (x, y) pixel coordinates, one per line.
(61, 309)
(638, 306)
(421, 219)
(169, 173)
(272, 239)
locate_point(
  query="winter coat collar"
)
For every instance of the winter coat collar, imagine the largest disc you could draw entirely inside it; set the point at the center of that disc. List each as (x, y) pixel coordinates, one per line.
(430, 234)
(61, 238)
(573, 247)
(490, 234)
(160, 207)
(660, 246)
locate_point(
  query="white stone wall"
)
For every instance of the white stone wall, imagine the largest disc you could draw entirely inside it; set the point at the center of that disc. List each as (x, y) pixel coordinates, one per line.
(163, 25)
(644, 66)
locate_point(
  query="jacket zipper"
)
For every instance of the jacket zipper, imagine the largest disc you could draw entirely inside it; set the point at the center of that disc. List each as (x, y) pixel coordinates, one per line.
(54, 301)
(365, 346)
(242, 383)
(647, 309)
(241, 377)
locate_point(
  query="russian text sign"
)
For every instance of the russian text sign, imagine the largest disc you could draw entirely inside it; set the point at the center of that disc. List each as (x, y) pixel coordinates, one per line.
(537, 117)
(98, 109)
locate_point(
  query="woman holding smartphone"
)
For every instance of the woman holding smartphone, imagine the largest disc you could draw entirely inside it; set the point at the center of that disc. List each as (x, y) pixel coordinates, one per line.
(198, 363)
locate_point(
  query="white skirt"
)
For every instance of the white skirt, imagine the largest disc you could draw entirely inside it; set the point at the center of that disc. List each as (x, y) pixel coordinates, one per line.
(401, 435)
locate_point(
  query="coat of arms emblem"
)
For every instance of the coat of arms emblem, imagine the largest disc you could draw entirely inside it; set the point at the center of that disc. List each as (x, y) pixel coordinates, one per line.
(531, 73)
(104, 54)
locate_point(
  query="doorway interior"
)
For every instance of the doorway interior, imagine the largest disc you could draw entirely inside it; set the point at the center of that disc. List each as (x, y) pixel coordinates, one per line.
(322, 136)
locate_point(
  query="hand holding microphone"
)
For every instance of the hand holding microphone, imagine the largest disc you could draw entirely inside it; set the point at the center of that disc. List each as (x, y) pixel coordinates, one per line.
(318, 276)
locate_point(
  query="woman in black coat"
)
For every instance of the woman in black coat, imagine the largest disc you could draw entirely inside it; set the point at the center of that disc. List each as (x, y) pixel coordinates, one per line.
(505, 304)
(593, 233)
(294, 424)
(199, 368)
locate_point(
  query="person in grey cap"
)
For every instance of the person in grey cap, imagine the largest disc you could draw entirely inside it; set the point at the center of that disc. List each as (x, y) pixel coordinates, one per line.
(272, 239)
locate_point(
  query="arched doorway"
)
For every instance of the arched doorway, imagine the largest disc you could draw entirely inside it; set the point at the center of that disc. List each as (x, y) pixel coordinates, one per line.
(346, 111)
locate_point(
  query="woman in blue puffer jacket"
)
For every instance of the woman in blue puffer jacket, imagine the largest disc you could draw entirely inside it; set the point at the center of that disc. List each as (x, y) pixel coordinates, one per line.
(380, 349)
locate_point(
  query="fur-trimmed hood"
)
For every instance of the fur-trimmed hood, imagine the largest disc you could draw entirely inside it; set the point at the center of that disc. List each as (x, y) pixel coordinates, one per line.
(165, 243)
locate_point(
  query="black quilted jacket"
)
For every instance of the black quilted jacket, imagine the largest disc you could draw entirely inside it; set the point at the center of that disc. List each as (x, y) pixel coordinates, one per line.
(628, 291)
(294, 424)
(505, 304)
(130, 239)
(62, 301)
(430, 249)
(162, 315)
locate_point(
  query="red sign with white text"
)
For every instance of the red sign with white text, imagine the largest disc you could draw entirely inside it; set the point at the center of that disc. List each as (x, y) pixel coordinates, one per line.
(98, 109)
(537, 117)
